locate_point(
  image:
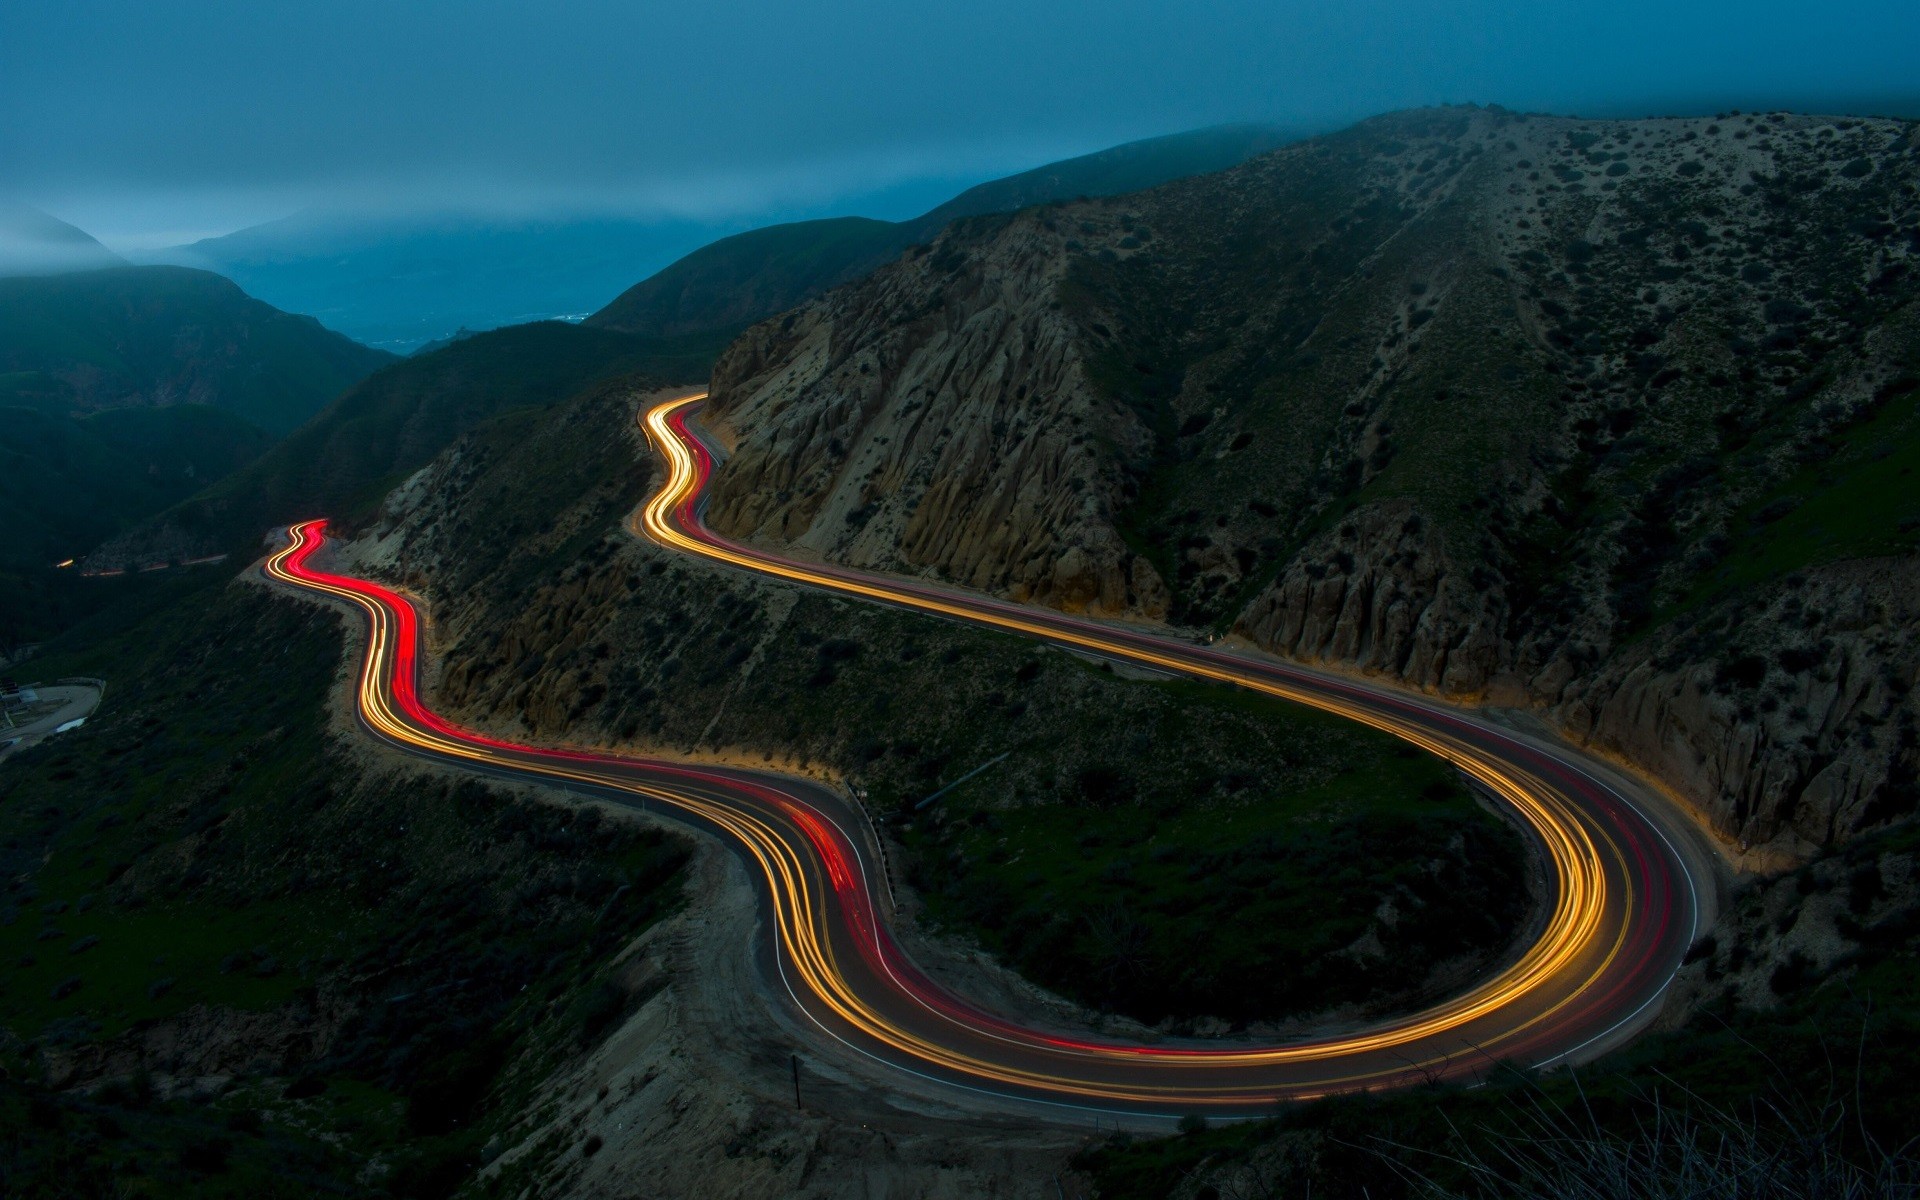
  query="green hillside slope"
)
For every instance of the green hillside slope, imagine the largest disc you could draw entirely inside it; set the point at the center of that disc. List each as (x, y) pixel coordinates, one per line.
(201, 891)
(68, 482)
(154, 336)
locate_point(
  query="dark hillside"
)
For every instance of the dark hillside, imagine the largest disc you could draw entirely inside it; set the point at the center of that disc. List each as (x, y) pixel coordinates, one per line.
(67, 483)
(155, 336)
(122, 392)
(1133, 167)
(393, 423)
(215, 923)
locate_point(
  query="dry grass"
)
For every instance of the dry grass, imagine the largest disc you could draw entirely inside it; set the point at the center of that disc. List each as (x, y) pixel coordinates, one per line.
(1783, 1148)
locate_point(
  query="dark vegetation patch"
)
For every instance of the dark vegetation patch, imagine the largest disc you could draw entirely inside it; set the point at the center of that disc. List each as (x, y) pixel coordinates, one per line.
(434, 946)
(342, 463)
(1247, 894)
(68, 482)
(1857, 498)
(1804, 1094)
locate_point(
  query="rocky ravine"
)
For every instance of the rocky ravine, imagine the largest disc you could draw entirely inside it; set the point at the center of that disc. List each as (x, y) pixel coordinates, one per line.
(930, 419)
(1611, 419)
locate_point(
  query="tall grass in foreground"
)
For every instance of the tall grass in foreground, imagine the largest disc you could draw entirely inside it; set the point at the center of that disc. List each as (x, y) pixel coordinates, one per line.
(1783, 1150)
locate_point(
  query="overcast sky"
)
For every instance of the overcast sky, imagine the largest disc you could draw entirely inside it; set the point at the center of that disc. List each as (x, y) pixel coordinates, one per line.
(143, 120)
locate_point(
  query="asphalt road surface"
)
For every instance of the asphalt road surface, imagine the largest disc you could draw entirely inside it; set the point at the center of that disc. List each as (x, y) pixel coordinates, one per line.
(1628, 888)
(77, 702)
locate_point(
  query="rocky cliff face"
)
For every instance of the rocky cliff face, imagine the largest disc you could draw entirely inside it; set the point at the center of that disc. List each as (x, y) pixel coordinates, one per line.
(1510, 408)
(1382, 596)
(937, 418)
(1790, 715)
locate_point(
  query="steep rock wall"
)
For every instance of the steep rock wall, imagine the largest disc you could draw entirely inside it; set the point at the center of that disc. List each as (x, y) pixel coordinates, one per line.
(1790, 719)
(935, 419)
(1379, 595)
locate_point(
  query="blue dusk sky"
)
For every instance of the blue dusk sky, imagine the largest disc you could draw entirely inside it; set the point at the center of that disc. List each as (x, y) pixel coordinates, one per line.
(155, 122)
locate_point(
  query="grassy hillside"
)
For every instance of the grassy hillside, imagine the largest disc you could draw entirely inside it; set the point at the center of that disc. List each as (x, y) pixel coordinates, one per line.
(153, 336)
(66, 483)
(742, 279)
(238, 962)
(343, 461)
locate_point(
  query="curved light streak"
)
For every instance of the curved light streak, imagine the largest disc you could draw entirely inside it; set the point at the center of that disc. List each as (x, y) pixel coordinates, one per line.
(1620, 916)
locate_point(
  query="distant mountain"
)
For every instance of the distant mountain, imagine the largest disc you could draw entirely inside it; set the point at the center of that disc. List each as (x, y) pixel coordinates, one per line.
(401, 283)
(750, 276)
(158, 336)
(753, 275)
(343, 461)
(33, 243)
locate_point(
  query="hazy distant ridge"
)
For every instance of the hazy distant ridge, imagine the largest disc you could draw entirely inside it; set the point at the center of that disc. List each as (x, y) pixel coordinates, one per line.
(742, 279)
(33, 243)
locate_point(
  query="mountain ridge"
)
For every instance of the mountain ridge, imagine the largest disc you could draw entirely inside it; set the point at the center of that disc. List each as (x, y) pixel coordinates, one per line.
(340, 463)
(33, 242)
(1495, 405)
(787, 264)
(153, 336)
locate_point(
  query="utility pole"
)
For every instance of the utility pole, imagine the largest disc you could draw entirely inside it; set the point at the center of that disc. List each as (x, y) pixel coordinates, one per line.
(795, 1060)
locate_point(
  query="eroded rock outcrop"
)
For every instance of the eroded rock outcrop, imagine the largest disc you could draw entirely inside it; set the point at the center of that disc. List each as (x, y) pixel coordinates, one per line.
(939, 420)
(1786, 716)
(1379, 594)
(1789, 718)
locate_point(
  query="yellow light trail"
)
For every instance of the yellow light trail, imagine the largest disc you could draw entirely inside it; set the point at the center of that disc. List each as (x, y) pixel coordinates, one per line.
(1612, 936)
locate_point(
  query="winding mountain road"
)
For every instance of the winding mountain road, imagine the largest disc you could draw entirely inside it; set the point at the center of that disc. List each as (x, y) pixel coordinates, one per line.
(1627, 884)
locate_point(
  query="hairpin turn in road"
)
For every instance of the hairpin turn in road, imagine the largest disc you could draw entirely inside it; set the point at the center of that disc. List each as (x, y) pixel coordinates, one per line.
(1625, 897)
